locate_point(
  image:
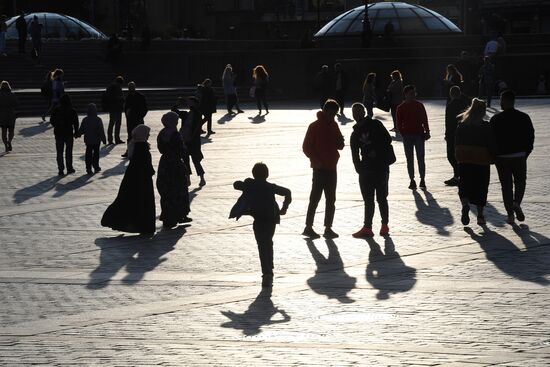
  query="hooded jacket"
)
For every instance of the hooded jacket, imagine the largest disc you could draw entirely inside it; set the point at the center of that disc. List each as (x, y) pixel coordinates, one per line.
(322, 142)
(92, 127)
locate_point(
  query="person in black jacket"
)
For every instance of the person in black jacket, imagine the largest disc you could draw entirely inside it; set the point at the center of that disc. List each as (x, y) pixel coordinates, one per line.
(207, 103)
(323, 83)
(340, 85)
(64, 120)
(114, 104)
(135, 108)
(22, 31)
(191, 127)
(458, 103)
(370, 150)
(515, 136)
(266, 213)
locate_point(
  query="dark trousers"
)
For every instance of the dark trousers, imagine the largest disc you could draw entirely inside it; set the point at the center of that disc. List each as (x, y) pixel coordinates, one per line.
(7, 134)
(261, 98)
(232, 101)
(264, 232)
(324, 180)
(372, 182)
(208, 119)
(512, 172)
(339, 97)
(451, 155)
(64, 144)
(22, 42)
(92, 157)
(393, 111)
(115, 121)
(487, 89)
(474, 183)
(411, 143)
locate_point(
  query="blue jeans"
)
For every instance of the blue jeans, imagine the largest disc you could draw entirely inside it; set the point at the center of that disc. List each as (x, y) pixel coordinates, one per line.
(411, 143)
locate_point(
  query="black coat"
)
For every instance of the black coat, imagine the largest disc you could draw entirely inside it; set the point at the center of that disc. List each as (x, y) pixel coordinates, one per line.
(21, 25)
(453, 109)
(64, 121)
(513, 131)
(135, 107)
(207, 100)
(133, 210)
(370, 146)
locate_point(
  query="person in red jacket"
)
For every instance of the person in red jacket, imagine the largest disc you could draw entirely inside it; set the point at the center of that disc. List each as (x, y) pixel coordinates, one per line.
(412, 122)
(322, 142)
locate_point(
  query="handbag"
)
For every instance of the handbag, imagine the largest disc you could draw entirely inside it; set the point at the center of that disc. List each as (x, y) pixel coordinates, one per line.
(241, 207)
(390, 156)
(252, 92)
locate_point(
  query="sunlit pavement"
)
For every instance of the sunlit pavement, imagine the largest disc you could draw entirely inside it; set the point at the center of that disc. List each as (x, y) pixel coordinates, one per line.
(432, 293)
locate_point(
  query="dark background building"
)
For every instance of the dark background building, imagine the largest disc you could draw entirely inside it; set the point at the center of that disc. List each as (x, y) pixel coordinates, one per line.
(275, 19)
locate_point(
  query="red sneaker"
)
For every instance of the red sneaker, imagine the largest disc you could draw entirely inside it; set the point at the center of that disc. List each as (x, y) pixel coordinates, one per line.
(363, 232)
(384, 230)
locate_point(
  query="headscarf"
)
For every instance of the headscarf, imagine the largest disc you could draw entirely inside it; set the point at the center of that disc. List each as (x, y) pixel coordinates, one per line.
(170, 122)
(92, 110)
(140, 134)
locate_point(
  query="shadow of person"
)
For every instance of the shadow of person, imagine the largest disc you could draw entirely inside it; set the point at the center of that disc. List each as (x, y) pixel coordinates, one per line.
(343, 119)
(137, 253)
(226, 118)
(494, 216)
(529, 265)
(386, 271)
(330, 279)
(259, 313)
(62, 189)
(103, 151)
(35, 190)
(430, 213)
(27, 132)
(119, 169)
(258, 119)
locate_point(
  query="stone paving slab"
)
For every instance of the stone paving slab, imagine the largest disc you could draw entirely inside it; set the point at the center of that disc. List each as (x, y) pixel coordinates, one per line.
(74, 293)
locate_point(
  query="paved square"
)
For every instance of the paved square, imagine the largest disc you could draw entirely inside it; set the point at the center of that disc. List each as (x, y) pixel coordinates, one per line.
(75, 293)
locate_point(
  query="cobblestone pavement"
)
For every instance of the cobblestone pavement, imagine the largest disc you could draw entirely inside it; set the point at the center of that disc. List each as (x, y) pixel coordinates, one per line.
(431, 294)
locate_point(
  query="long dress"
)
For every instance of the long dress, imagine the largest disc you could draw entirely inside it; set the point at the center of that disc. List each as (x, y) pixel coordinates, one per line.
(172, 181)
(134, 207)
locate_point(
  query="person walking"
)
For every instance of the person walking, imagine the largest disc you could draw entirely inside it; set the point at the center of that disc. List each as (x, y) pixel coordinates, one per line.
(64, 120)
(262, 206)
(323, 83)
(321, 144)
(458, 103)
(173, 174)
(8, 106)
(191, 132)
(58, 89)
(22, 32)
(94, 135)
(229, 81)
(36, 37)
(395, 96)
(340, 86)
(475, 147)
(412, 122)
(133, 210)
(113, 102)
(207, 104)
(515, 137)
(369, 93)
(453, 77)
(260, 78)
(135, 109)
(3, 31)
(487, 80)
(372, 155)
(47, 92)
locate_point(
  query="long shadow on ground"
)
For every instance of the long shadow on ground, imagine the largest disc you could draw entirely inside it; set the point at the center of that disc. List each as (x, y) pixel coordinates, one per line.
(386, 270)
(330, 278)
(138, 254)
(531, 264)
(429, 212)
(259, 313)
